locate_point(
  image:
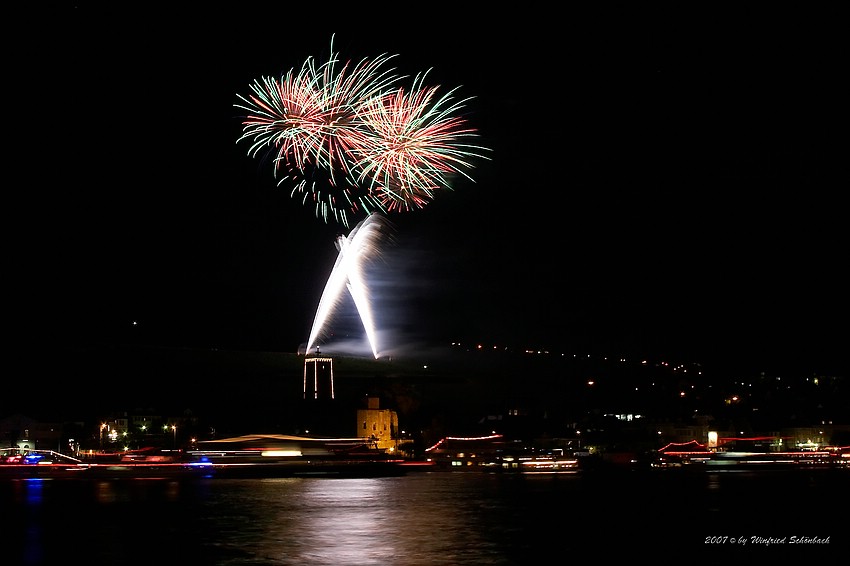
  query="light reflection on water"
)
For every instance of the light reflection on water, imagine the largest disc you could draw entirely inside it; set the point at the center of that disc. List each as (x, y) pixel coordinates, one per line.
(423, 518)
(357, 521)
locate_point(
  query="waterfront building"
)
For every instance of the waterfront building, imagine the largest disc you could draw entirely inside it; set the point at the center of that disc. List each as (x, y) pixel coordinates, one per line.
(380, 425)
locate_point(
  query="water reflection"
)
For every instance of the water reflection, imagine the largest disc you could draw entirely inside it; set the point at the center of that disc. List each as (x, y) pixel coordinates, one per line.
(423, 518)
(350, 521)
(34, 491)
(33, 538)
(368, 521)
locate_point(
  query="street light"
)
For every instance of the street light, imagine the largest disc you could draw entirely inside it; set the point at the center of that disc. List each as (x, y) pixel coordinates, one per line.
(174, 430)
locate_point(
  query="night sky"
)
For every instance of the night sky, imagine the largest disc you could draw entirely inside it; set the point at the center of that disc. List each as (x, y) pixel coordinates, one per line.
(660, 184)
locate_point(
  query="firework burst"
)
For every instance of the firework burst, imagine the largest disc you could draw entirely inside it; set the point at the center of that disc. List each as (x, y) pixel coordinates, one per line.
(349, 141)
(307, 119)
(413, 144)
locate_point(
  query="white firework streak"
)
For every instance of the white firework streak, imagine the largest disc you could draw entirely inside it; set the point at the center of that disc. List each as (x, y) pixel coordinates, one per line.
(347, 273)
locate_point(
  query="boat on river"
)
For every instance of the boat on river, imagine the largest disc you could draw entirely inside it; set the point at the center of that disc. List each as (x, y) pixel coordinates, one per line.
(16, 463)
(276, 455)
(250, 456)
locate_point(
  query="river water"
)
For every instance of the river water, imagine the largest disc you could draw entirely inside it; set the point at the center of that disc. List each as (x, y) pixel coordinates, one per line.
(429, 518)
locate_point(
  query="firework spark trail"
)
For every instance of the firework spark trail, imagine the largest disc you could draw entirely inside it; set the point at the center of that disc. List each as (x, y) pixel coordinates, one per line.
(361, 246)
(360, 293)
(381, 148)
(331, 296)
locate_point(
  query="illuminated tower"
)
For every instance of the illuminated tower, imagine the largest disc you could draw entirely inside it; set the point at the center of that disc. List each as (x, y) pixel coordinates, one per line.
(318, 378)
